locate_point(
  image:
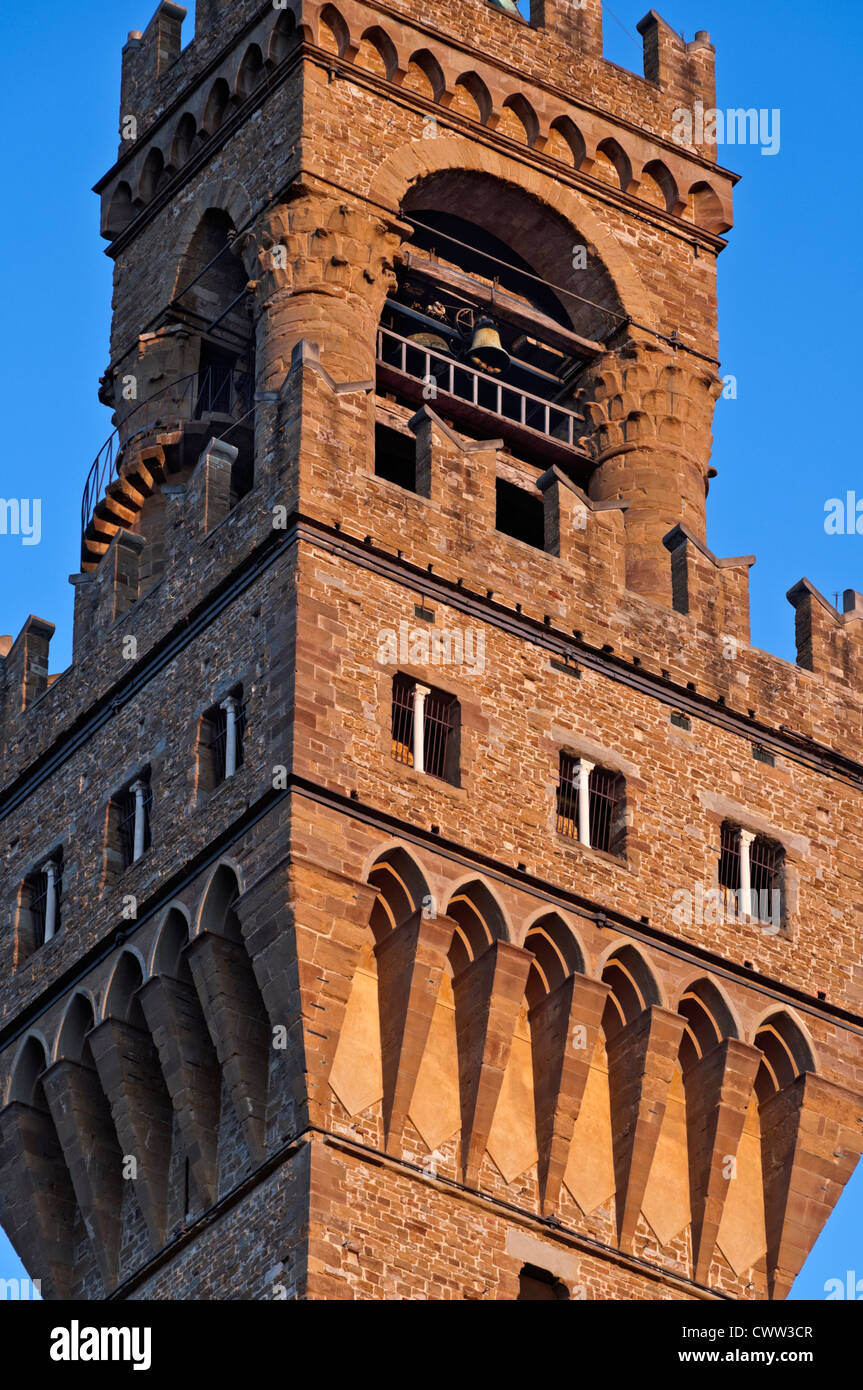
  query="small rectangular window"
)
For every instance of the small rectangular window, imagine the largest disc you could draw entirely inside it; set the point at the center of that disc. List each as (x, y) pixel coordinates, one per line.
(221, 740)
(605, 797)
(519, 514)
(438, 747)
(766, 862)
(396, 457)
(41, 904)
(129, 823)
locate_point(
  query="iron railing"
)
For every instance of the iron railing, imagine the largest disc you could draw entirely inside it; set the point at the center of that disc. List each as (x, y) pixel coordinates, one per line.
(454, 378)
(216, 391)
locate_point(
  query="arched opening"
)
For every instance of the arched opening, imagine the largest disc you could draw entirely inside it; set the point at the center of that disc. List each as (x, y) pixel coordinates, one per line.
(333, 32)
(633, 989)
(658, 186)
(283, 39)
(566, 142)
(401, 891)
(27, 1072)
(518, 120)
(425, 75)
(479, 923)
(472, 98)
(483, 308)
(152, 176)
(704, 208)
(251, 72)
(217, 105)
(612, 165)
(169, 958)
(708, 1021)
(556, 953)
(183, 143)
(377, 53)
(785, 1055)
(121, 1001)
(218, 913)
(78, 1021)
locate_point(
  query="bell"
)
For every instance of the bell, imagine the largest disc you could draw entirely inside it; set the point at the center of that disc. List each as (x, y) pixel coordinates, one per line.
(433, 341)
(486, 350)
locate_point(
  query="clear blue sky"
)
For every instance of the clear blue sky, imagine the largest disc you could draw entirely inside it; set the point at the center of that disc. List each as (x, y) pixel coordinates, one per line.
(793, 262)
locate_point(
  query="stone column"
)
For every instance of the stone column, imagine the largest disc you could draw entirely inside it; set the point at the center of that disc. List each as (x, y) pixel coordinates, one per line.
(584, 770)
(420, 693)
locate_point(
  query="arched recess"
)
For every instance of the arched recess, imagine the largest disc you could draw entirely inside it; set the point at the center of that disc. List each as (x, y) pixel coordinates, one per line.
(557, 955)
(217, 104)
(425, 75)
(26, 1081)
(401, 891)
(333, 33)
(283, 38)
(542, 220)
(120, 996)
(173, 938)
(479, 923)
(708, 1021)
(42, 1221)
(250, 73)
(633, 989)
(658, 186)
(786, 1054)
(612, 165)
(183, 143)
(152, 176)
(78, 1020)
(472, 97)
(235, 1013)
(120, 210)
(566, 142)
(377, 52)
(519, 120)
(704, 208)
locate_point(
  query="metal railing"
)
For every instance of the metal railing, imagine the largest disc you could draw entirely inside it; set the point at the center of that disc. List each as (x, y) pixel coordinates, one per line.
(216, 391)
(455, 378)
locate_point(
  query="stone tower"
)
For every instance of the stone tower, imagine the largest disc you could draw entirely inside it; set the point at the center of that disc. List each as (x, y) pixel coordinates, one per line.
(418, 887)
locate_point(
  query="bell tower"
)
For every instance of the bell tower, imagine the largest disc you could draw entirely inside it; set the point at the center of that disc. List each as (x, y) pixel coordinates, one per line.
(382, 917)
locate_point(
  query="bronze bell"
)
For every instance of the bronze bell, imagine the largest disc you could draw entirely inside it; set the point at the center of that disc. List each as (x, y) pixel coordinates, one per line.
(486, 350)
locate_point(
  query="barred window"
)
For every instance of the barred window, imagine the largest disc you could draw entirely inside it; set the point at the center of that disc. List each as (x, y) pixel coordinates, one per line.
(436, 750)
(605, 804)
(123, 821)
(766, 863)
(40, 918)
(221, 739)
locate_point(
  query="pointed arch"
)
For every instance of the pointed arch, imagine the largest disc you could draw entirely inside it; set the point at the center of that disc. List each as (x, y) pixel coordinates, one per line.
(473, 85)
(215, 108)
(151, 175)
(525, 114)
(333, 32)
(633, 988)
(618, 159)
(250, 73)
(217, 905)
(377, 42)
(173, 938)
(479, 923)
(401, 890)
(564, 132)
(557, 955)
(26, 1081)
(704, 208)
(78, 1019)
(183, 142)
(709, 1020)
(428, 64)
(786, 1053)
(282, 39)
(661, 179)
(126, 979)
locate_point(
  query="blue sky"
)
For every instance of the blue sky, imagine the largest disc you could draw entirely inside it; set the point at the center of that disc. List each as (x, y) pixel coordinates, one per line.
(792, 262)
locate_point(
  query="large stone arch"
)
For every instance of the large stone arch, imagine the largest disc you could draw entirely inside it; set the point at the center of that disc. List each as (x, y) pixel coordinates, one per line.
(226, 195)
(420, 160)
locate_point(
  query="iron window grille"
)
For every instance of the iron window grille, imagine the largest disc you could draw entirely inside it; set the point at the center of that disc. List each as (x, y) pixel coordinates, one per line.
(126, 811)
(604, 797)
(766, 860)
(440, 714)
